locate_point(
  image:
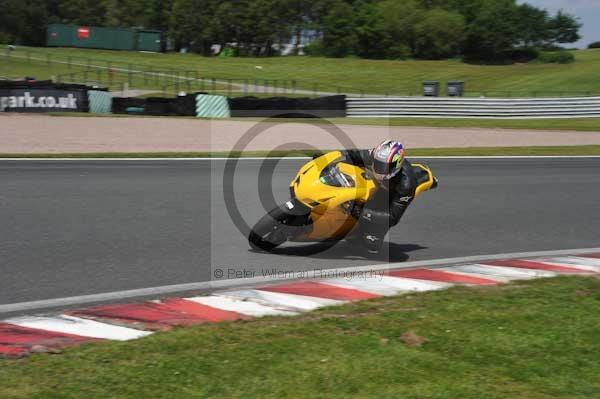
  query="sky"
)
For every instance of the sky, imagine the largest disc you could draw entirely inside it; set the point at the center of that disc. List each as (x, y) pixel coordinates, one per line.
(587, 10)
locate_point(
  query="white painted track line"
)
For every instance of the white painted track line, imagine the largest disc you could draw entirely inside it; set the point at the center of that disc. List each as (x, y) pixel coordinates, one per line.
(78, 326)
(240, 306)
(466, 157)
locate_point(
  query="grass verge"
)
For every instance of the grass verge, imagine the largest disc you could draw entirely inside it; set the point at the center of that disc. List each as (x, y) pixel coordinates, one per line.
(536, 340)
(324, 74)
(576, 124)
(417, 152)
(579, 124)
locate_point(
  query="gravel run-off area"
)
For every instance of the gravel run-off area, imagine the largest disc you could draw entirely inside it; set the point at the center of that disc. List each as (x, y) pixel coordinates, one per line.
(31, 133)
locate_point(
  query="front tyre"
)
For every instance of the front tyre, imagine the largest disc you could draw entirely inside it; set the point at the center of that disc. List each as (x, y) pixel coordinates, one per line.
(269, 232)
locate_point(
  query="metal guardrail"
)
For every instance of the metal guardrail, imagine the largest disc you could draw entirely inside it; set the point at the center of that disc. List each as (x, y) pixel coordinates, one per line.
(445, 107)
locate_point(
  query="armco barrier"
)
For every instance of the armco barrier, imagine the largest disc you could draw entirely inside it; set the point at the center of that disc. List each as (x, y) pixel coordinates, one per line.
(374, 107)
(325, 107)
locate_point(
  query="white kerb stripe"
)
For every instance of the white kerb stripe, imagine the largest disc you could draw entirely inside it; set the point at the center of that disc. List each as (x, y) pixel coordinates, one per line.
(500, 272)
(496, 273)
(78, 326)
(244, 307)
(592, 265)
(281, 300)
(387, 285)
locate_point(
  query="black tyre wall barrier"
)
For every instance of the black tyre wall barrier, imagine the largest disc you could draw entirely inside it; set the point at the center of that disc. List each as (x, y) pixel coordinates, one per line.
(121, 104)
(157, 106)
(286, 107)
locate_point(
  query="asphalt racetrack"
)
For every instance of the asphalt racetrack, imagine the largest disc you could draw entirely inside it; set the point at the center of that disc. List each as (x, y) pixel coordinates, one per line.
(84, 227)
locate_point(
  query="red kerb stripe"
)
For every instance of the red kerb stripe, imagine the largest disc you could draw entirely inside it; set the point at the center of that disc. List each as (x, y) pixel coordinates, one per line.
(16, 340)
(152, 315)
(9, 350)
(160, 315)
(529, 264)
(443, 276)
(320, 290)
(205, 312)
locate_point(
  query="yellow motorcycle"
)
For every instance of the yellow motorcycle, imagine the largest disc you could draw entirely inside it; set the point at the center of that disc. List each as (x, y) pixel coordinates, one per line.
(327, 196)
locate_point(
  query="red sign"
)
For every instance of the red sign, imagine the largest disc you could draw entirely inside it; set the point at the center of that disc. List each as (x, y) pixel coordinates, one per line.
(83, 33)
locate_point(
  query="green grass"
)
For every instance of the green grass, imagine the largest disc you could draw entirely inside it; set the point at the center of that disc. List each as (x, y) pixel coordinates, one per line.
(534, 340)
(577, 124)
(354, 75)
(468, 151)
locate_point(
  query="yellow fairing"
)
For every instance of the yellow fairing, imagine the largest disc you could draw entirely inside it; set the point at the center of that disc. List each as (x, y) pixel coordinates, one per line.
(424, 185)
(330, 204)
(327, 203)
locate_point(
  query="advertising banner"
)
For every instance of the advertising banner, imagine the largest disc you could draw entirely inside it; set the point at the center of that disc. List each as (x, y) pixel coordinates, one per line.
(43, 100)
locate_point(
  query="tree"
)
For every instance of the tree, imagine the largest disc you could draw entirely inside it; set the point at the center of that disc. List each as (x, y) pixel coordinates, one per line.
(563, 28)
(11, 20)
(493, 33)
(533, 25)
(339, 39)
(386, 29)
(481, 30)
(191, 25)
(439, 34)
(23, 22)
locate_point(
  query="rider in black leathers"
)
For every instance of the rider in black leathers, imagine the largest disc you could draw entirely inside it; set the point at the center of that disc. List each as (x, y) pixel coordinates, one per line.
(389, 203)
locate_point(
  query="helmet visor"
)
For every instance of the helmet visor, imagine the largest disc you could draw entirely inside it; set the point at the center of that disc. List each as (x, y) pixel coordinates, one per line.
(383, 170)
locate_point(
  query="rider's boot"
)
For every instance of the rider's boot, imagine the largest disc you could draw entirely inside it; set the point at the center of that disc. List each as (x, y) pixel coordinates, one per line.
(373, 225)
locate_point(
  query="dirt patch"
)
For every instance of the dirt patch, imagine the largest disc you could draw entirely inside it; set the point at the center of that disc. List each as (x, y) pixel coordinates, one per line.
(412, 340)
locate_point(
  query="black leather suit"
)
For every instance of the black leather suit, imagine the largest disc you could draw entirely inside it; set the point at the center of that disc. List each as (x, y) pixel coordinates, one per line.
(389, 203)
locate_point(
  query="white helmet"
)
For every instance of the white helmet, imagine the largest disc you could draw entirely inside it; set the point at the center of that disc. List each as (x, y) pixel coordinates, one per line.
(387, 159)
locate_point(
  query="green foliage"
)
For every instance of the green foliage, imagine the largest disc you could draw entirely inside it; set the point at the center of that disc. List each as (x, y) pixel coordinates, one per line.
(487, 31)
(339, 39)
(556, 57)
(563, 28)
(493, 33)
(439, 34)
(594, 45)
(315, 48)
(530, 20)
(386, 29)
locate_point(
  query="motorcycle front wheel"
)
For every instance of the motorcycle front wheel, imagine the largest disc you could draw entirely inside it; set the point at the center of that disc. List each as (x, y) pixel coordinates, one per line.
(269, 232)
